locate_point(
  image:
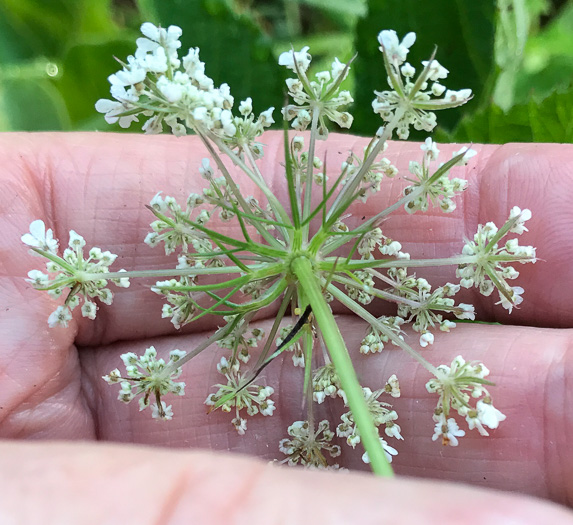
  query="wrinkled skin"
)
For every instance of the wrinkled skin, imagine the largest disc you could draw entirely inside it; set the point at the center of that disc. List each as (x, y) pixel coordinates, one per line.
(50, 379)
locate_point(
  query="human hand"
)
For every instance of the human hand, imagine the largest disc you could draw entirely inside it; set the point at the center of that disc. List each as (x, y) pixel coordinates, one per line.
(51, 385)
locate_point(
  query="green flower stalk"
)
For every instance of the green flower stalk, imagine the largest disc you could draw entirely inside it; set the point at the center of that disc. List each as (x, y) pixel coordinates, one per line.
(276, 261)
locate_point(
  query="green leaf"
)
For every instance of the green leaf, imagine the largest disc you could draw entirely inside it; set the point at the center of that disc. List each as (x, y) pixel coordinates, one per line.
(512, 30)
(548, 58)
(29, 28)
(356, 8)
(84, 78)
(463, 31)
(550, 120)
(31, 105)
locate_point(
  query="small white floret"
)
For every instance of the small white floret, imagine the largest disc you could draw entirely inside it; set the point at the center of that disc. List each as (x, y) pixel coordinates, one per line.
(60, 317)
(40, 238)
(489, 415)
(426, 339)
(301, 57)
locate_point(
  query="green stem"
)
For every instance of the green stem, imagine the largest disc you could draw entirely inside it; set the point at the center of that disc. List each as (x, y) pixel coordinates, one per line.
(274, 329)
(308, 345)
(336, 209)
(219, 334)
(310, 171)
(233, 186)
(268, 270)
(249, 155)
(374, 322)
(174, 272)
(276, 206)
(369, 224)
(330, 263)
(302, 268)
(293, 198)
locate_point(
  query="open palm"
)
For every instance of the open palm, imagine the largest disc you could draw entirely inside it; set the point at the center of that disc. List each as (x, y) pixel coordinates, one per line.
(50, 379)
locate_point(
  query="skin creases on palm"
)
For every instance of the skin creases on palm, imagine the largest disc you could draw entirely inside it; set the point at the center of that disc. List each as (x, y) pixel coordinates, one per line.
(51, 385)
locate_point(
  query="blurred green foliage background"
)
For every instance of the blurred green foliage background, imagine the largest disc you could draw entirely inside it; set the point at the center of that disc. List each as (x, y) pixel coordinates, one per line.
(516, 55)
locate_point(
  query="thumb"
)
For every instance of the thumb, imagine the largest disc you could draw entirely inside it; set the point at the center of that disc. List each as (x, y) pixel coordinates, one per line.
(72, 483)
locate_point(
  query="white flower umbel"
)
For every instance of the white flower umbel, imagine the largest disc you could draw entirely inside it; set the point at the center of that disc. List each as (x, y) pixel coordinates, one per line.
(166, 89)
(294, 252)
(318, 100)
(425, 307)
(456, 386)
(149, 377)
(435, 188)
(412, 100)
(307, 446)
(490, 268)
(381, 413)
(240, 393)
(84, 277)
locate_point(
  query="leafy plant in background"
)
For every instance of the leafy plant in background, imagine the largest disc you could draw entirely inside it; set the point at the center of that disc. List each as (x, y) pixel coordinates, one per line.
(275, 259)
(515, 54)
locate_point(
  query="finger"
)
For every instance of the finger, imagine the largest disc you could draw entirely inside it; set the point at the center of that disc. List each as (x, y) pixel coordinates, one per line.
(65, 483)
(97, 184)
(533, 176)
(528, 453)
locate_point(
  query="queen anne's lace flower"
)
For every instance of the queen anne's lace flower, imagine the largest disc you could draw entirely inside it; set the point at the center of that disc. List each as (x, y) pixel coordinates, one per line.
(413, 100)
(456, 385)
(320, 97)
(149, 376)
(306, 446)
(157, 84)
(490, 268)
(72, 271)
(292, 255)
(240, 393)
